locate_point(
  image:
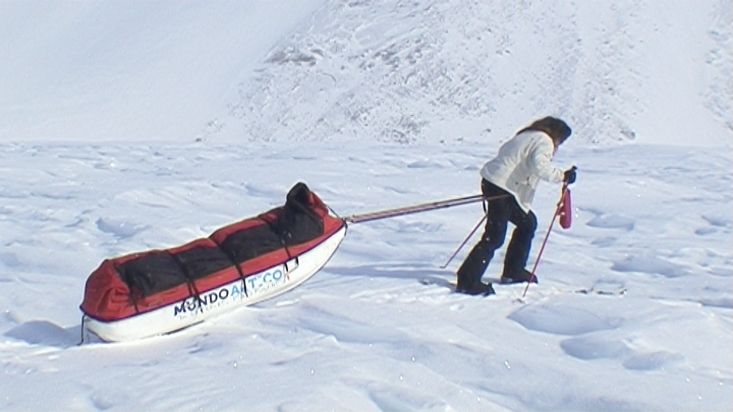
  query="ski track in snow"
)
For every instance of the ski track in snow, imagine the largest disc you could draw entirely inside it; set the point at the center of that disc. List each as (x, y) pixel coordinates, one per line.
(364, 334)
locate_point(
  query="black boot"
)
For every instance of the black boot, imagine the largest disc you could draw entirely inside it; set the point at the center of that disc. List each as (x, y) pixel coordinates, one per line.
(518, 276)
(479, 288)
(473, 268)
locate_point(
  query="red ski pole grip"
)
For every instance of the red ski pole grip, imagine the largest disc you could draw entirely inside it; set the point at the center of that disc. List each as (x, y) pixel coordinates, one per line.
(566, 210)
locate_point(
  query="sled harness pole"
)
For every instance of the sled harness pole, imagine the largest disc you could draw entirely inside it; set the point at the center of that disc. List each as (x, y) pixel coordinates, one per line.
(544, 242)
(441, 204)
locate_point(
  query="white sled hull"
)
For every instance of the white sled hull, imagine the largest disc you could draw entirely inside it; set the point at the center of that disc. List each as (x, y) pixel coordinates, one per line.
(267, 284)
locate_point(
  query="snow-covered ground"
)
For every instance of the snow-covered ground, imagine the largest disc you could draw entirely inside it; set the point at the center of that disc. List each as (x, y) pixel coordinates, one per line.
(374, 104)
(650, 243)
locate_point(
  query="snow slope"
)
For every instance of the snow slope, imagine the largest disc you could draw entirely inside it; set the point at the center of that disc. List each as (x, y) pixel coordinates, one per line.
(375, 104)
(151, 70)
(400, 71)
(447, 70)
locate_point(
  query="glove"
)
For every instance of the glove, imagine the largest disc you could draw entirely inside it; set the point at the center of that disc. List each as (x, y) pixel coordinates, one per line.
(570, 176)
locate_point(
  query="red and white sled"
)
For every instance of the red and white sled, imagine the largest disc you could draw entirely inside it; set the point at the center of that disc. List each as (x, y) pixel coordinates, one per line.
(161, 291)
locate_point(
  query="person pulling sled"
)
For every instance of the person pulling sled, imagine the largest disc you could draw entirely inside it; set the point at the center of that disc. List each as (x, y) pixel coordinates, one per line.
(509, 182)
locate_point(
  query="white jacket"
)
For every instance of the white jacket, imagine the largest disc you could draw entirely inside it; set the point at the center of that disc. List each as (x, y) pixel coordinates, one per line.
(521, 163)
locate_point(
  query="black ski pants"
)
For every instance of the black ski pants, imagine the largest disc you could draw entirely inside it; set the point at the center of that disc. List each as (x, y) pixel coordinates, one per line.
(501, 210)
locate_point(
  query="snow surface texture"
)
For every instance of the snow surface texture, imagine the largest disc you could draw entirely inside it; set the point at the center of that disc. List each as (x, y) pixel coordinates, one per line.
(650, 249)
(634, 310)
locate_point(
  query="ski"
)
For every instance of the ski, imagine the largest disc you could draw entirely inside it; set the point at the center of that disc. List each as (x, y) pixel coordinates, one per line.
(604, 292)
(451, 284)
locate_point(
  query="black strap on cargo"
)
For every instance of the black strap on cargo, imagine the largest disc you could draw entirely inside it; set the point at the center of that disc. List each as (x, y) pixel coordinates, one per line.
(132, 295)
(192, 289)
(236, 265)
(281, 235)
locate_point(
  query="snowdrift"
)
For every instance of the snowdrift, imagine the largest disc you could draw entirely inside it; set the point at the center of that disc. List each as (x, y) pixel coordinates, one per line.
(160, 291)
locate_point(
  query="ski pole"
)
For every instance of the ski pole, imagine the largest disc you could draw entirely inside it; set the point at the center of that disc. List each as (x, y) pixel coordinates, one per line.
(475, 228)
(544, 242)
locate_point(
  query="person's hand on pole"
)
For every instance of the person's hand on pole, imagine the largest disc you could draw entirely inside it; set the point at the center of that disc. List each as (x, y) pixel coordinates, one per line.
(570, 176)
